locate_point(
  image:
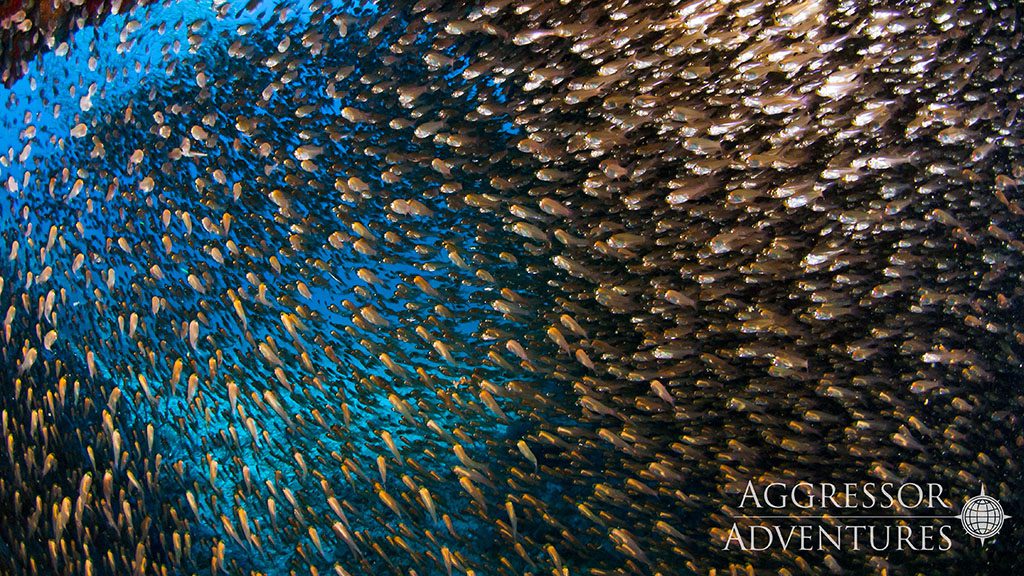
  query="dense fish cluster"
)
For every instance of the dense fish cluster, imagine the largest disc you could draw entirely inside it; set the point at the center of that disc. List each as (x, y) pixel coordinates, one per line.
(501, 288)
(30, 26)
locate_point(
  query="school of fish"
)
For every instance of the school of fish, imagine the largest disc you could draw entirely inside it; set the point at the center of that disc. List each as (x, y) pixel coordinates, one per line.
(501, 287)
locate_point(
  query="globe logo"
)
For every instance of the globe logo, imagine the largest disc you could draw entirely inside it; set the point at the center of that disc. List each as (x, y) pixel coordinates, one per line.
(982, 516)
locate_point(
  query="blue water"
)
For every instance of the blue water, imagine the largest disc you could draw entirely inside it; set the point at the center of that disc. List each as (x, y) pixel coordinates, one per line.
(125, 231)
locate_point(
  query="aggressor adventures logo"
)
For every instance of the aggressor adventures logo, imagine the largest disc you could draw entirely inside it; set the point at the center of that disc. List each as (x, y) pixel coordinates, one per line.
(871, 516)
(982, 516)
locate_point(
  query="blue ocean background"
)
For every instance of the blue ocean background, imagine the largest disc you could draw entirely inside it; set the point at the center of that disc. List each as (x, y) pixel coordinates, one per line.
(146, 62)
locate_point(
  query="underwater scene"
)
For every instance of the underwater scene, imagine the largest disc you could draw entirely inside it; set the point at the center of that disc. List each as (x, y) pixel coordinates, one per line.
(511, 287)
